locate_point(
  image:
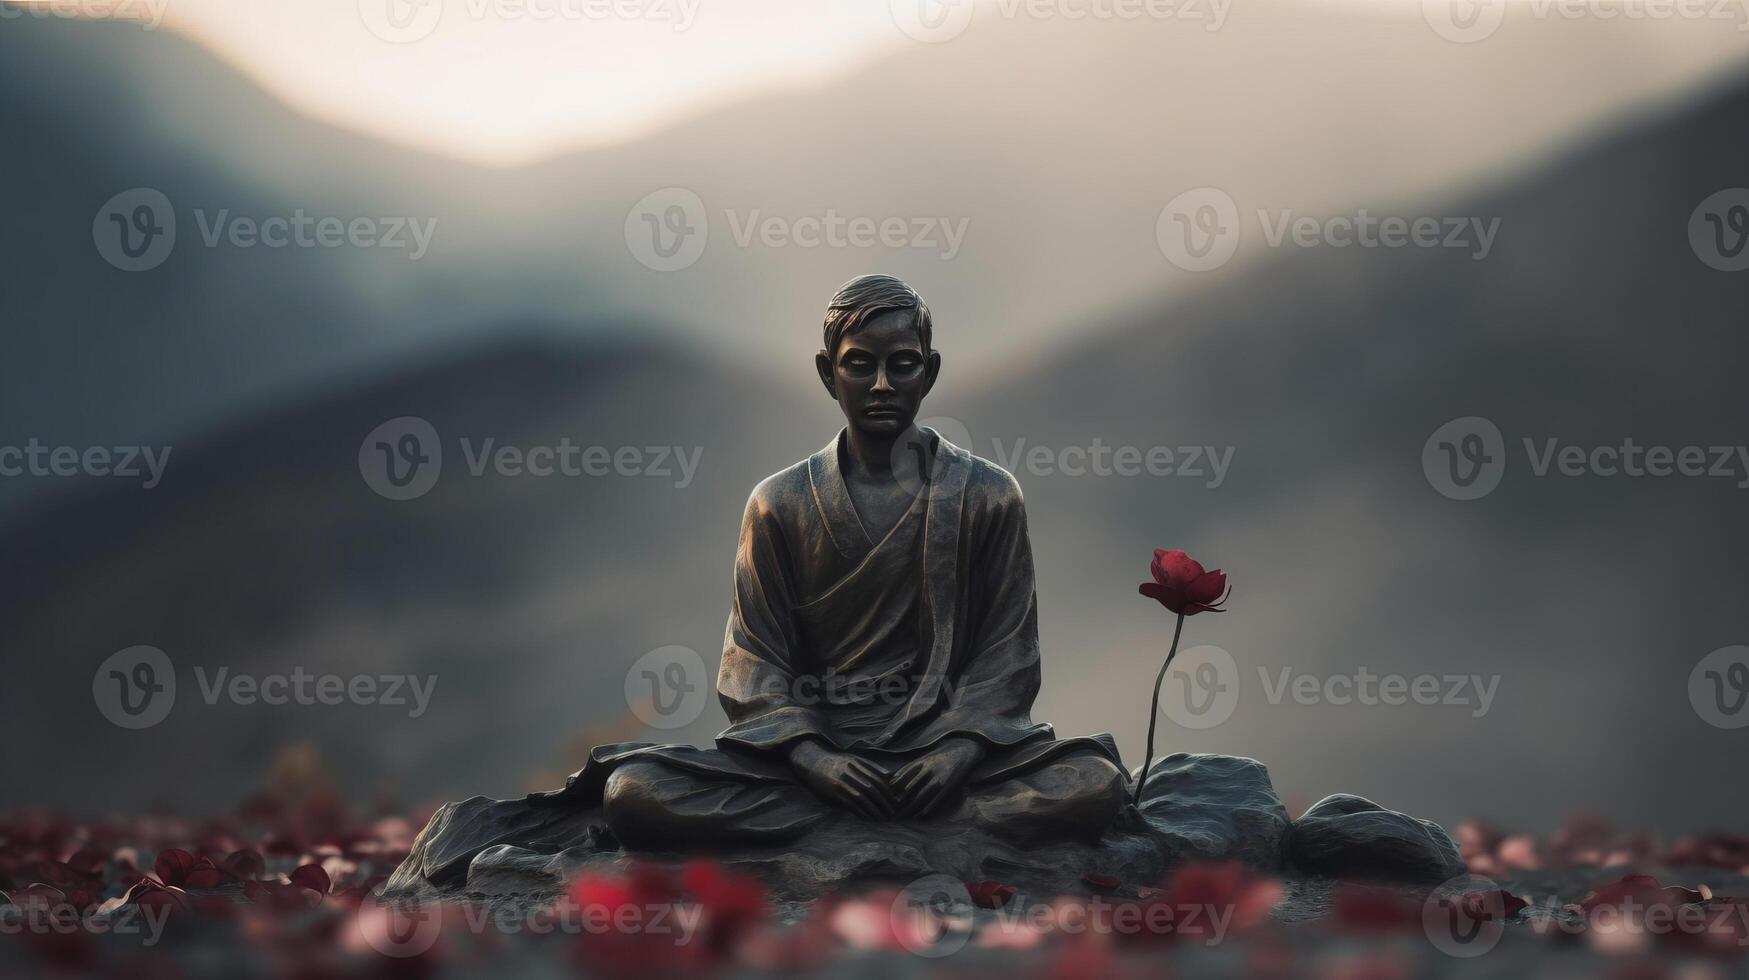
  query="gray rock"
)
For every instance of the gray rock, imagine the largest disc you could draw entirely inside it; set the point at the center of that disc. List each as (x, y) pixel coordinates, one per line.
(1215, 807)
(1345, 836)
(1196, 808)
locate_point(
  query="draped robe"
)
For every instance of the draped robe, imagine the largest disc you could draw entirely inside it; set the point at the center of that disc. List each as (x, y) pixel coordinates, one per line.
(881, 648)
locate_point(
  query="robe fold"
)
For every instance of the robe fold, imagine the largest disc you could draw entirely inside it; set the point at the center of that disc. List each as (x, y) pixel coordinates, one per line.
(884, 647)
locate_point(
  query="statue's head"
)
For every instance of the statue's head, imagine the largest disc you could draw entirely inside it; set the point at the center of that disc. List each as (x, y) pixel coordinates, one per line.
(877, 362)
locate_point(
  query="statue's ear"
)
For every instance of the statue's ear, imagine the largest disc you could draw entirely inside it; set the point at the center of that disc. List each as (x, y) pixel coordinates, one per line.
(931, 370)
(823, 364)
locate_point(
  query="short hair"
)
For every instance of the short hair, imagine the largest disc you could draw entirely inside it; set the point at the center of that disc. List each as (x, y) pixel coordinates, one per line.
(866, 297)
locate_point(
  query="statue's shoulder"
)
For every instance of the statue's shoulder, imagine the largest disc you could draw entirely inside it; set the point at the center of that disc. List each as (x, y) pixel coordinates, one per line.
(990, 484)
(783, 491)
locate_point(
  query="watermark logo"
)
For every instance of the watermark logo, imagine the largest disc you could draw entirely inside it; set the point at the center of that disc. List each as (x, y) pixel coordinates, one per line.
(1199, 229)
(1093, 458)
(667, 230)
(1718, 687)
(400, 929)
(911, 459)
(937, 21)
(1464, 21)
(36, 459)
(36, 914)
(1470, 21)
(1718, 230)
(668, 687)
(932, 21)
(135, 230)
(401, 21)
(407, 21)
(402, 458)
(932, 916)
(1464, 916)
(1465, 458)
(135, 688)
(1202, 691)
(147, 13)
(1368, 689)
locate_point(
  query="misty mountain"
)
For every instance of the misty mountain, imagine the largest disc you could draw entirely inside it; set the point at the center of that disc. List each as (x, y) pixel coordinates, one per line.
(1057, 232)
(264, 550)
(1325, 372)
(1322, 372)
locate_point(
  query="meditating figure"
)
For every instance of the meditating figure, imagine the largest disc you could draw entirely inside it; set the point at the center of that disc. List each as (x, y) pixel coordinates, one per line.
(882, 656)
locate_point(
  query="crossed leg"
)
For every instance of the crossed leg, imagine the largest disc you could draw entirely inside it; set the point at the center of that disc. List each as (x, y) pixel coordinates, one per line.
(651, 803)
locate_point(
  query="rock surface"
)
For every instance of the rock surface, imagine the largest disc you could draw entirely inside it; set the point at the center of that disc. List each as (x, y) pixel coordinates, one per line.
(1346, 836)
(1196, 808)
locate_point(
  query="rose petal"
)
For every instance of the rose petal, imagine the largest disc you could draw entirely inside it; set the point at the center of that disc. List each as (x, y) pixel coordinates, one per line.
(313, 877)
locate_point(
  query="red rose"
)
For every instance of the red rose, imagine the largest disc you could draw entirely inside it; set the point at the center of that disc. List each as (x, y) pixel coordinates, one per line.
(1182, 586)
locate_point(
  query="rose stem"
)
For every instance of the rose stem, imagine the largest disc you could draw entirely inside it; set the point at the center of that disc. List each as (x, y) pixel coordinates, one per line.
(1154, 710)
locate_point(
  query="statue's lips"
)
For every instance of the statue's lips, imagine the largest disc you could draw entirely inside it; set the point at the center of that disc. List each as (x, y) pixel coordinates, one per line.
(881, 411)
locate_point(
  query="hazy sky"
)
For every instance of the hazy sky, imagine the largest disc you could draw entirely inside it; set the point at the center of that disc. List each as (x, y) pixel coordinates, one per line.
(503, 81)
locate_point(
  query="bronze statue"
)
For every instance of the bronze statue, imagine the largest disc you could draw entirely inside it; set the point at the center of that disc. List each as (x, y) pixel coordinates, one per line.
(881, 657)
(879, 668)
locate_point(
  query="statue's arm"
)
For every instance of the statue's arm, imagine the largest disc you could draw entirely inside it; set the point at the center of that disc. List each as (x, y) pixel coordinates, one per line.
(991, 694)
(756, 684)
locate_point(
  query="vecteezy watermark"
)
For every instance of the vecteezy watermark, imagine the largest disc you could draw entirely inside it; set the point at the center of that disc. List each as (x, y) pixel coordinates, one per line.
(1469, 21)
(404, 928)
(667, 230)
(36, 915)
(147, 13)
(1092, 458)
(1718, 229)
(1363, 687)
(136, 688)
(1718, 687)
(934, 917)
(667, 687)
(1464, 916)
(135, 231)
(1465, 459)
(143, 463)
(1203, 689)
(937, 21)
(402, 458)
(407, 21)
(1200, 230)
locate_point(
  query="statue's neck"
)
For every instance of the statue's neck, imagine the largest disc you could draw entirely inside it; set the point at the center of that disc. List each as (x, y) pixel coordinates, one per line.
(872, 455)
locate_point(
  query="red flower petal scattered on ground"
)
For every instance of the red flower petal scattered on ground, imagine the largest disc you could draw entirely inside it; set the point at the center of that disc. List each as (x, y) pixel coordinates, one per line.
(312, 876)
(990, 894)
(1203, 902)
(1369, 908)
(1495, 904)
(173, 866)
(247, 865)
(732, 904)
(1643, 890)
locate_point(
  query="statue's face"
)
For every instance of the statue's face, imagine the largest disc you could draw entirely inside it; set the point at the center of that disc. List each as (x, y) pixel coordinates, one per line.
(880, 373)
